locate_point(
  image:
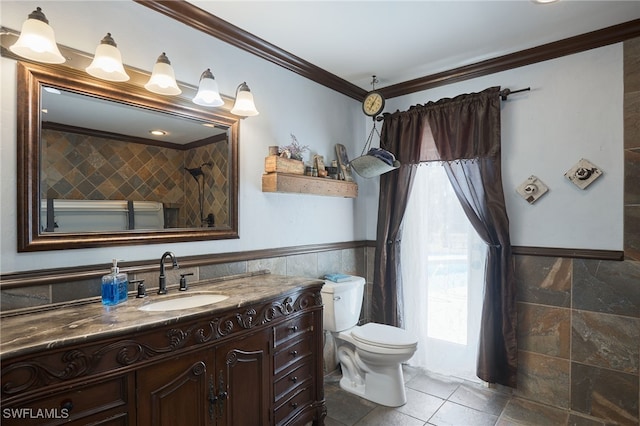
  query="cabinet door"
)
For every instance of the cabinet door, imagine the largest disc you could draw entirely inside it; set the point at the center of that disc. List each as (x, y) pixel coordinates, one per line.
(243, 381)
(174, 392)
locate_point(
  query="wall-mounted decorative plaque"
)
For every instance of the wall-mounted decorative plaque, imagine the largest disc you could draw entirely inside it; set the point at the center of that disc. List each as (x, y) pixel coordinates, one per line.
(583, 173)
(532, 189)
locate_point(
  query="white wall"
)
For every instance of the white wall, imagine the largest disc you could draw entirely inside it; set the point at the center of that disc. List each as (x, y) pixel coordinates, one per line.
(288, 103)
(574, 110)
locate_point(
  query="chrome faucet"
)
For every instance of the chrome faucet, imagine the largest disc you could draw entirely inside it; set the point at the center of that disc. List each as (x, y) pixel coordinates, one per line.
(162, 288)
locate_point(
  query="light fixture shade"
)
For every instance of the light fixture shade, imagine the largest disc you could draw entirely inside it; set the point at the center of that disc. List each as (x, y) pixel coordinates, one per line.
(208, 94)
(107, 62)
(163, 80)
(244, 105)
(37, 41)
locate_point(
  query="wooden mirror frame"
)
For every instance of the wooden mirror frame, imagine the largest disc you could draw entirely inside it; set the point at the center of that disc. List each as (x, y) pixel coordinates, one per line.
(30, 79)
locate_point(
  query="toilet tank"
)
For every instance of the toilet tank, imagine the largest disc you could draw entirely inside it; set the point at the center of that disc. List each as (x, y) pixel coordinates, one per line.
(342, 303)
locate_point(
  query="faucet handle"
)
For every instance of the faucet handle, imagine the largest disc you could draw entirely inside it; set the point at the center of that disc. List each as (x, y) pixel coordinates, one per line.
(183, 281)
(142, 291)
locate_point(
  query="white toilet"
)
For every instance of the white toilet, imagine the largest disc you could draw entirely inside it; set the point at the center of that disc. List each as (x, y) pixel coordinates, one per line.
(370, 355)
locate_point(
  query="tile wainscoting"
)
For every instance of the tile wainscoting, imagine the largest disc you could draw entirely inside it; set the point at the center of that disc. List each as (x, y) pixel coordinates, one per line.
(36, 288)
(579, 334)
(578, 319)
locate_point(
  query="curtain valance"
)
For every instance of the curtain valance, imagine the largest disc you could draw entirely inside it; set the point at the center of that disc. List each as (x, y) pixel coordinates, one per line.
(464, 127)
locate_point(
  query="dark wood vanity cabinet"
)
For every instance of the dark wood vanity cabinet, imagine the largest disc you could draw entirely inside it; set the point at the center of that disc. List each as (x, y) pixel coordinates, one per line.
(294, 361)
(256, 365)
(226, 385)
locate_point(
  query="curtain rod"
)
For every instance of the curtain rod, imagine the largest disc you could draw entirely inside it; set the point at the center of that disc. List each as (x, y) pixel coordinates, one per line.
(504, 93)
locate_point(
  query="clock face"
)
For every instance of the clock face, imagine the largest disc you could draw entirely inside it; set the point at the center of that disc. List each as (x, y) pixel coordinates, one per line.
(373, 104)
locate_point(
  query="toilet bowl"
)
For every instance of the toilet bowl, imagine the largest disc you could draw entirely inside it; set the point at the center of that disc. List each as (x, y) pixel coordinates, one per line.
(370, 355)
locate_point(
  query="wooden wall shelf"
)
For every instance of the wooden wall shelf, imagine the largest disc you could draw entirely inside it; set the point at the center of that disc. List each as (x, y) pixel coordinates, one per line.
(301, 184)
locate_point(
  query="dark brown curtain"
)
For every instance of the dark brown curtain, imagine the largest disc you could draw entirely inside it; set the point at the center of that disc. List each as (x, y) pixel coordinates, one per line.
(464, 133)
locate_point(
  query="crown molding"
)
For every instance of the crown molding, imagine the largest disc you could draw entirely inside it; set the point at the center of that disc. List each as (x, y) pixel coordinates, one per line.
(201, 20)
(568, 46)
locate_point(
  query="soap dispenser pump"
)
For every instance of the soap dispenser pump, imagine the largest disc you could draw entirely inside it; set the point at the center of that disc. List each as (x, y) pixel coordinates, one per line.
(115, 286)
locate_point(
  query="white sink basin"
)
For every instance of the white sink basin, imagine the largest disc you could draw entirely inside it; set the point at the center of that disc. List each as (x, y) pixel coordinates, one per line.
(183, 302)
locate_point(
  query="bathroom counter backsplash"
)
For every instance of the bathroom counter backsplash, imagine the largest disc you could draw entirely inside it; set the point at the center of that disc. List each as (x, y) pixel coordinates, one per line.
(38, 329)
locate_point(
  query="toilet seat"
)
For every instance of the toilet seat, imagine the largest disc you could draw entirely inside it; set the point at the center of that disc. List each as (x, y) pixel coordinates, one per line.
(385, 338)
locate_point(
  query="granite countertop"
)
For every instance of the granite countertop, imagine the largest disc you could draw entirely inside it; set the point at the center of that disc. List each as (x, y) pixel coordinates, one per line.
(39, 329)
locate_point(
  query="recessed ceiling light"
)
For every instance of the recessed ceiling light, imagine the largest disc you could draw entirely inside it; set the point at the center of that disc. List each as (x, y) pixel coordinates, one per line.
(208, 125)
(158, 132)
(544, 1)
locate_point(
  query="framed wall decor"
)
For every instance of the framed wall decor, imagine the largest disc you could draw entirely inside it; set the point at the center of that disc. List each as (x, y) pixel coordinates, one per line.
(583, 173)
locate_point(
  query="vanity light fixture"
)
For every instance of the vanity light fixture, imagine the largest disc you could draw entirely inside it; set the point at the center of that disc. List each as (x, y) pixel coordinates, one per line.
(208, 94)
(244, 105)
(107, 62)
(163, 80)
(37, 41)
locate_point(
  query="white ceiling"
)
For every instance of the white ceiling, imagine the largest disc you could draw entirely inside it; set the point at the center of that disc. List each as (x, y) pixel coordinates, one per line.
(403, 40)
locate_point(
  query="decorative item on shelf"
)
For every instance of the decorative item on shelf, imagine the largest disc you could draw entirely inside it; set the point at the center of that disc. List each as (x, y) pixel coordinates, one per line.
(244, 105)
(583, 173)
(107, 62)
(318, 162)
(208, 94)
(333, 171)
(163, 79)
(274, 150)
(532, 189)
(37, 41)
(278, 164)
(287, 160)
(294, 150)
(344, 167)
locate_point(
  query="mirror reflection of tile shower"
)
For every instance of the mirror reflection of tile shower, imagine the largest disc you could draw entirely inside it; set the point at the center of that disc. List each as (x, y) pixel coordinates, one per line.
(199, 175)
(86, 167)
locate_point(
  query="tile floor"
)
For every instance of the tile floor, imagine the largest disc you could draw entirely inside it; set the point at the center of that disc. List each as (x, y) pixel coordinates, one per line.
(437, 400)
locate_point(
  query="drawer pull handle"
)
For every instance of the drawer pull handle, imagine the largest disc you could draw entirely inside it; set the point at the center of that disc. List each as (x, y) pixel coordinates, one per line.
(294, 328)
(294, 353)
(294, 379)
(294, 405)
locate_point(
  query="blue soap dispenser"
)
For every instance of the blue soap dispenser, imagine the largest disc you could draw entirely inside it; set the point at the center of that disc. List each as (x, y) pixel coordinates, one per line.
(115, 286)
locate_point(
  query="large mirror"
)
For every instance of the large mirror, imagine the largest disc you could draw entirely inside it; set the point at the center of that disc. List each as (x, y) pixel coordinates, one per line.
(103, 163)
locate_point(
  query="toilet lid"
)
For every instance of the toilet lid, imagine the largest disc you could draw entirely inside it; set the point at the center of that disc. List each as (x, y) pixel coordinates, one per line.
(384, 335)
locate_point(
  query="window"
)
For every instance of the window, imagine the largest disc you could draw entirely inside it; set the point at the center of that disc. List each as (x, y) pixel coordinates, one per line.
(442, 274)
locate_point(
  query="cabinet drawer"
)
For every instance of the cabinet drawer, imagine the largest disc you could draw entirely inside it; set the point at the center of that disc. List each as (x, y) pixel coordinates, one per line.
(292, 328)
(293, 353)
(291, 378)
(297, 402)
(64, 407)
